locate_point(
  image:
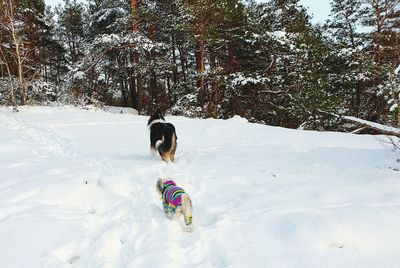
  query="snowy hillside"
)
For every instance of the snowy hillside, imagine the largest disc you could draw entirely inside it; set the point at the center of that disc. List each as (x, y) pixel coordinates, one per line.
(77, 189)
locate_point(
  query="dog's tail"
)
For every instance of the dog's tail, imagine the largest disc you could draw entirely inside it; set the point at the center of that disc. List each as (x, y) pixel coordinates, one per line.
(168, 142)
(156, 147)
(187, 209)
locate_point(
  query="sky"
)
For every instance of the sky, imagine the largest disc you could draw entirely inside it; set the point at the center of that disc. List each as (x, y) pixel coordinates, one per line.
(53, 2)
(319, 9)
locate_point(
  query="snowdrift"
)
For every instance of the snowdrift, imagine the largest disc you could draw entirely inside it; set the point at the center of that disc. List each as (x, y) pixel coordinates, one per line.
(77, 189)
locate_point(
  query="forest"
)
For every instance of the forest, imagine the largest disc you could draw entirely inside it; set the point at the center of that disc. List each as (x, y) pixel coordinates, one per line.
(264, 61)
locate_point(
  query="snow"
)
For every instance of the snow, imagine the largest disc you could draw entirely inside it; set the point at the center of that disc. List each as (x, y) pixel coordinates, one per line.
(77, 189)
(122, 40)
(120, 110)
(79, 75)
(397, 70)
(393, 108)
(241, 79)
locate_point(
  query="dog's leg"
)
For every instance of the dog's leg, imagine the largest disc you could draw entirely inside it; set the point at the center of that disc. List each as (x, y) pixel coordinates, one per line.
(155, 144)
(169, 212)
(153, 151)
(171, 155)
(173, 148)
(165, 156)
(187, 210)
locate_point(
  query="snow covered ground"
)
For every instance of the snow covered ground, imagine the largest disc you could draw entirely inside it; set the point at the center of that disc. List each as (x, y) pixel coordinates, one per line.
(77, 189)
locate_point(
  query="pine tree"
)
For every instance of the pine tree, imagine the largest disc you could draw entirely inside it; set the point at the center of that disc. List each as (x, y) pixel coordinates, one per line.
(383, 17)
(70, 28)
(52, 53)
(352, 65)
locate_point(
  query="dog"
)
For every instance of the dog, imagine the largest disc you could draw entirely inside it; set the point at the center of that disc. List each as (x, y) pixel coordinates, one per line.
(162, 137)
(176, 202)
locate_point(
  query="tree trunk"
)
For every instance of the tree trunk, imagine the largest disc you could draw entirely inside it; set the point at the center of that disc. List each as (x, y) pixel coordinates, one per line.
(10, 80)
(155, 94)
(132, 89)
(183, 60)
(377, 40)
(139, 88)
(175, 69)
(200, 62)
(123, 93)
(135, 20)
(379, 20)
(136, 57)
(231, 58)
(18, 56)
(169, 89)
(213, 99)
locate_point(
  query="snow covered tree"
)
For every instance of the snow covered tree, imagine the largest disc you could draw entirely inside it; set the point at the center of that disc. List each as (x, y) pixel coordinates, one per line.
(282, 67)
(52, 54)
(392, 86)
(71, 28)
(352, 72)
(23, 30)
(381, 16)
(264, 61)
(365, 36)
(13, 51)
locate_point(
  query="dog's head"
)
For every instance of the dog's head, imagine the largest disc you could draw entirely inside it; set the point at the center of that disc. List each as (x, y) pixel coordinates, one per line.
(157, 115)
(161, 183)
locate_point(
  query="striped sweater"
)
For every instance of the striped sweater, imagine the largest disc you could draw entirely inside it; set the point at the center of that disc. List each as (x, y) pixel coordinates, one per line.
(171, 196)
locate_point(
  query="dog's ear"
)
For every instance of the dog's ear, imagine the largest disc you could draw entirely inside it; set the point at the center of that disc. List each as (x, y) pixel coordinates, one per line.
(159, 113)
(160, 185)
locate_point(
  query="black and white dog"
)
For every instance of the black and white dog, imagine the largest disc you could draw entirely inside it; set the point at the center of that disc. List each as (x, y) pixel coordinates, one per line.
(162, 136)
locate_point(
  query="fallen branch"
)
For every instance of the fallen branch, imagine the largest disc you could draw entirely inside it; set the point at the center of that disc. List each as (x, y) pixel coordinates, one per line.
(271, 92)
(359, 130)
(382, 129)
(391, 131)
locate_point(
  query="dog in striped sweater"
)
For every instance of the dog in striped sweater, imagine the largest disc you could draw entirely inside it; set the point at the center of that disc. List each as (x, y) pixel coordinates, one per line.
(175, 202)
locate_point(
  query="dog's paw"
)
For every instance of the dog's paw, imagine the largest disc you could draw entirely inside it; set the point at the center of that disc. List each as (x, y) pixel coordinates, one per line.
(188, 228)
